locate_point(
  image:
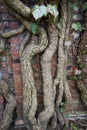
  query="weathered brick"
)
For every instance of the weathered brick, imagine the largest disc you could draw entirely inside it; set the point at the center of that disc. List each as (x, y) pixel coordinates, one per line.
(4, 16)
(18, 87)
(19, 93)
(17, 69)
(11, 18)
(13, 25)
(19, 113)
(15, 40)
(15, 54)
(71, 83)
(19, 98)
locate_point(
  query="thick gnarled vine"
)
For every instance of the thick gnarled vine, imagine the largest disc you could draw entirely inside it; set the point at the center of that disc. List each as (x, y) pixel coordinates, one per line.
(47, 40)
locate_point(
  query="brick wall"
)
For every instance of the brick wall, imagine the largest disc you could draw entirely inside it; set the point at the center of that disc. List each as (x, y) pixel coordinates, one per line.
(10, 70)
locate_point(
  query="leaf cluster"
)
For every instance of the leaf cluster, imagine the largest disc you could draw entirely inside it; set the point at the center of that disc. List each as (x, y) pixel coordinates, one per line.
(40, 11)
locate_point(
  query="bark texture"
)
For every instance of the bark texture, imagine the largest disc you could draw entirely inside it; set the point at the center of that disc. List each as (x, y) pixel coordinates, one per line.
(29, 89)
(82, 48)
(9, 108)
(60, 79)
(48, 41)
(47, 77)
(13, 32)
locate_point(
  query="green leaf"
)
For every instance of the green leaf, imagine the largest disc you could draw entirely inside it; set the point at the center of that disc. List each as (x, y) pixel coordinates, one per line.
(75, 7)
(84, 7)
(39, 11)
(52, 9)
(75, 17)
(62, 104)
(77, 26)
(34, 28)
(75, 78)
(70, 4)
(75, 127)
(61, 109)
(81, 65)
(84, 52)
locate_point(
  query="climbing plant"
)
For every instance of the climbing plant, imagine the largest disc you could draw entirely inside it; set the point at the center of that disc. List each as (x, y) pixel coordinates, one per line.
(48, 25)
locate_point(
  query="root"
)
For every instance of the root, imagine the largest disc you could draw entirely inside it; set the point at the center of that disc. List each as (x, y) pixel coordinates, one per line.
(23, 44)
(60, 79)
(19, 7)
(24, 21)
(2, 45)
(47, 78)
(83, 91)
(82, 46)
(9, 108)
(27, 52)
(29, 89)
(13, 32)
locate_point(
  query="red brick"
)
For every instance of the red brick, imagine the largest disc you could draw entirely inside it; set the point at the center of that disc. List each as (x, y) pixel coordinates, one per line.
(70, 73)
(5, 76)
(40, 99)
(71, 83)
(11, 18)
(16, 69)
(13, 25)
(20, 106)
(3, 64)
(35, 66)
(18, 88)
(19, 122)
(19, 112)
(19, 83)
(78, 109)
(69, 108)
(15, 54)
(14, 47)
(17, 79)
(19, 98)
(15, 40)
(39, 85)
(16, 66)
(1, 100)
(75, 97)
(18, 93)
